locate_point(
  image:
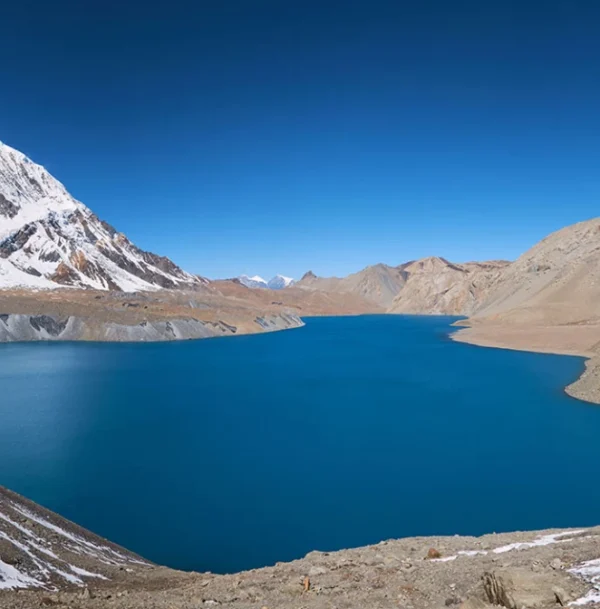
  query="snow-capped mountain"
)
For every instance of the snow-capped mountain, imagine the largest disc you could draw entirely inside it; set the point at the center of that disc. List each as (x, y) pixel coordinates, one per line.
(276, 283)
(48, 239)
(279, 282)
(253, 282)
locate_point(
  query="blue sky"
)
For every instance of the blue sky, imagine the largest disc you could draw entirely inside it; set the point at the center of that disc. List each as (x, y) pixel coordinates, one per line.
(268, 136)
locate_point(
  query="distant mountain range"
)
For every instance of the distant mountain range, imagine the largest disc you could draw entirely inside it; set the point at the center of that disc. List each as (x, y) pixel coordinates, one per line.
(48, 239)
(429, 285)
(275, 283)
(557, 281)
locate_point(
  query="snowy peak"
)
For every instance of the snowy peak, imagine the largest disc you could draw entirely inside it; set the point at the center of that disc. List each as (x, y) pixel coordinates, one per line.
(48, 239)
(252, 282)
(279, 282)
(276, 283)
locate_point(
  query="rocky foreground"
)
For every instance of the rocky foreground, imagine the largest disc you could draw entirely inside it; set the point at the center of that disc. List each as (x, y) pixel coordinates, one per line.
(48, 561)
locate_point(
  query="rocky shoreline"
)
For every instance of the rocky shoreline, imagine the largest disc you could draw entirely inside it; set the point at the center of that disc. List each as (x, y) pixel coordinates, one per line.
(26, 328)
(46, 560)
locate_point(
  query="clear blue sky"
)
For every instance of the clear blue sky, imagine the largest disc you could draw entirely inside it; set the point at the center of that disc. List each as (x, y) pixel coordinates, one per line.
(266, 136)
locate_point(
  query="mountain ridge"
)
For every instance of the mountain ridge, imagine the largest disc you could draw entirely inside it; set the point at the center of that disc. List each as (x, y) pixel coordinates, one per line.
(431, 285)
(278, 282)
(48, 239)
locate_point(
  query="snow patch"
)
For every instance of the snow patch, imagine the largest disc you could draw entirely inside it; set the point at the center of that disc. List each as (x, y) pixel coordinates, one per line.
(590, 572)
(42, 565)
(11, 578)
(543, 540)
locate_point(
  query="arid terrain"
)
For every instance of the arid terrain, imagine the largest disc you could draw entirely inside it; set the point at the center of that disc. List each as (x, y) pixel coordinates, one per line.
(67, 275)
(547, 301)
(218, 309)
(46, 561)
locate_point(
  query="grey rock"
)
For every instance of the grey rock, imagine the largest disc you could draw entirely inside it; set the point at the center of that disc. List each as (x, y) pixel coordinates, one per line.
(517, 588)
(561, 596)
(24, 328)
(474, 603)
(313, 571)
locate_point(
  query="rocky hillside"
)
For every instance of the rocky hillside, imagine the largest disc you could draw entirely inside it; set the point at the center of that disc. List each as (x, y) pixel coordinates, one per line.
(46, 560)
(556, 281)
(303, 302)
(162, 315)
(427, 286)
(48, 239)
(378, 284)
(40, 550)
(435, 286)
(548, 300)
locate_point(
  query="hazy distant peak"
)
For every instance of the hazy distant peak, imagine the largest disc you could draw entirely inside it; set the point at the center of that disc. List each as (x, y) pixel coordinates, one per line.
(279, 282)
(256, 281)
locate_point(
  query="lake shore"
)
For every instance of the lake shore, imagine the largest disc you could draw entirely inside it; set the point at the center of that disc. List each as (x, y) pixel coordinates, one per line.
(580, 340)
(49, 561)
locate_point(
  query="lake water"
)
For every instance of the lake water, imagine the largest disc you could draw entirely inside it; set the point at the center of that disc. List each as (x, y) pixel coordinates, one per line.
(234, 453)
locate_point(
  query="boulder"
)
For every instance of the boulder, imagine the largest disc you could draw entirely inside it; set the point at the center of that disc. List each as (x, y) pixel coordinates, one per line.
(516, 588)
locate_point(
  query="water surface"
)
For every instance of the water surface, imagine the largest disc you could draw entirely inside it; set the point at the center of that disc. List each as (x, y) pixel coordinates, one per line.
(239, 452)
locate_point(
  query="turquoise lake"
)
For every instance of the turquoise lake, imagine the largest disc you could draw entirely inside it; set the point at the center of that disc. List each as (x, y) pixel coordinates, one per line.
(226, 454)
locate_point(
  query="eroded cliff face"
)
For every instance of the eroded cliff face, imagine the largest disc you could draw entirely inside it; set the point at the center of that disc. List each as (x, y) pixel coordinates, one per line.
(435, 286)
(18, 328)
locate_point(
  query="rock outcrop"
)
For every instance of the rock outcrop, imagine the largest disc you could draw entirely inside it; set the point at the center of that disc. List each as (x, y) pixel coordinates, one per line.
(24, 328)
(436, 286)
(378, 284)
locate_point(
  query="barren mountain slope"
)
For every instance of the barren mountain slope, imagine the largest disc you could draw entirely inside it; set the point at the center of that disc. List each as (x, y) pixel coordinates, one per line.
(378, 283)
(304, 302)
(435, 286)
(548, 300)
(77, 314)
(48, 239)
(557, 281)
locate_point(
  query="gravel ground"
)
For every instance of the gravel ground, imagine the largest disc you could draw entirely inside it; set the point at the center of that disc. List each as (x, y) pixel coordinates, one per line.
(531, 569)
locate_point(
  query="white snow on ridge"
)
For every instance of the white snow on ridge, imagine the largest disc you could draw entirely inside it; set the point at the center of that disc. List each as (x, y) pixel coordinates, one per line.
(32, 189)
(279, 282)
(543, 540)
(252, 282)
(43, 565)
(86, 547)
(11, 578)
(48, 239)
